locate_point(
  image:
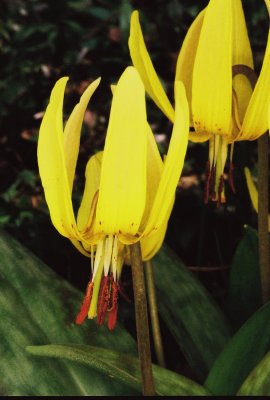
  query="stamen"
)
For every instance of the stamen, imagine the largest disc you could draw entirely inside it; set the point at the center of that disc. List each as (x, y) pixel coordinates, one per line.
(112, 312)
(207, 182)
(221, 198)
(103, 299)
(231, 168)
(85, 304)
(92, 257)
(98, 257)
(108, 254)
(231, 181)
(212, 185)
(114, 257)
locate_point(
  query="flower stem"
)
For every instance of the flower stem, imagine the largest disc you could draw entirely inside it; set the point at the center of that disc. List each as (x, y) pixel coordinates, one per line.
(142, 326)
(263, 216)
(152, 302)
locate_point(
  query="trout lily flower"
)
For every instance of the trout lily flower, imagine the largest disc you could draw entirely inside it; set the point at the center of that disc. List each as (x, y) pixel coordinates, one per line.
(129, 190)
(216, 66)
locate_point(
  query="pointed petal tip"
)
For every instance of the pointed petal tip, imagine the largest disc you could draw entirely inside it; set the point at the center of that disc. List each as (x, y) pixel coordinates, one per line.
(134, 15)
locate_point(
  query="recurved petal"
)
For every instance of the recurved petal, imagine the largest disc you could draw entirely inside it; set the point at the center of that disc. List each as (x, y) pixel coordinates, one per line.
(72, 131)
(173, 164)
(151, 244)
(122, 192)
(154, 171)
(199, 137)
(253, 192)
(252, 189)
(52, 166)
(90, 195)
(186, 57)
(141, 60)
(242, 55)
(256, 118)
(212, 73)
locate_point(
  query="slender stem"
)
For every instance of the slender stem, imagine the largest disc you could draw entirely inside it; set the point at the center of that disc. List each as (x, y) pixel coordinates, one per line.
(152, 302)
(263, 216)
(142, 326)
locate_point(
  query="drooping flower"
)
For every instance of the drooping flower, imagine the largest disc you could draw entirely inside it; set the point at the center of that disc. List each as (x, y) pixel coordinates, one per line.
(129, 191)
(216, 66)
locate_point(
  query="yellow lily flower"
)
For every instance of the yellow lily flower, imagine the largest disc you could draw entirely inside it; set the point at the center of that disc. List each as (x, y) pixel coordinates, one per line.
(129, 191)
(215, 64)
(253, 192)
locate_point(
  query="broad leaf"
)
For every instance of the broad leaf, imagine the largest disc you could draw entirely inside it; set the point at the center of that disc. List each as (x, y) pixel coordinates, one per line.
(258, 381)
(38, 307)
(245, 295)
(196, 322)
(123, 368)
(244, 351)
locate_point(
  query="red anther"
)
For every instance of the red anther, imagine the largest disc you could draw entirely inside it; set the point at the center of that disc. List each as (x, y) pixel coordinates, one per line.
(112, 312)
(112, 318)
(212, 188)
(231, 182)
(207, 182)
(103, 299)
(85, 304)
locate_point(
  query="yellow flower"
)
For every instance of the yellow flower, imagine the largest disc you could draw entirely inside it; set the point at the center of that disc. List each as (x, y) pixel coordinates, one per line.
(253, 192)
(216, 66)
(129, 191)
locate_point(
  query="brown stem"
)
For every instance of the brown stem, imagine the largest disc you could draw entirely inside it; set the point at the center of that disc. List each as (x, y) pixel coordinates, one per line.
(142, 326)
(152, 302)
(263, 216)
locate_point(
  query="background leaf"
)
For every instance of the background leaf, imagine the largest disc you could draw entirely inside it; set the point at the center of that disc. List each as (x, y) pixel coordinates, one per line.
(122, 367)
(38, 307)
(196, 322)
(245, 295)
(258, 381)
(244, 351)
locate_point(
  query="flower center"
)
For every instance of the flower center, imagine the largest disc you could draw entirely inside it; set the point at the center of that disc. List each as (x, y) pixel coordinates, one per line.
(101, 297)
(214, 185)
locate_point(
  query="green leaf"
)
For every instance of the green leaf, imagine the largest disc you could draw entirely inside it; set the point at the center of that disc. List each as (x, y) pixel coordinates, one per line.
(122, 367)
(245, 295)
(258, 381)
(192, 316)
(244, 351)
(38, 307)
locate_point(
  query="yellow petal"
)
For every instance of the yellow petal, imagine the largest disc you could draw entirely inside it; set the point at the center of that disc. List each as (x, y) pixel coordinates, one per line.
(52, 166)
(252, 189)
(186, 58)
(242, 55)
(199, 137)
(173, 164)
(255, 122)
(212, 74)
(141, 60)
(151, 244)
(154, 171)
(89, 199)
(122, 192)
(80, 248)
(253, 192)
(72, 131)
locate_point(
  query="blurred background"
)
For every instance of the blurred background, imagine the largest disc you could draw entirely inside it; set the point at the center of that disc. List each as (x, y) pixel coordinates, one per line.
(42, 40)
